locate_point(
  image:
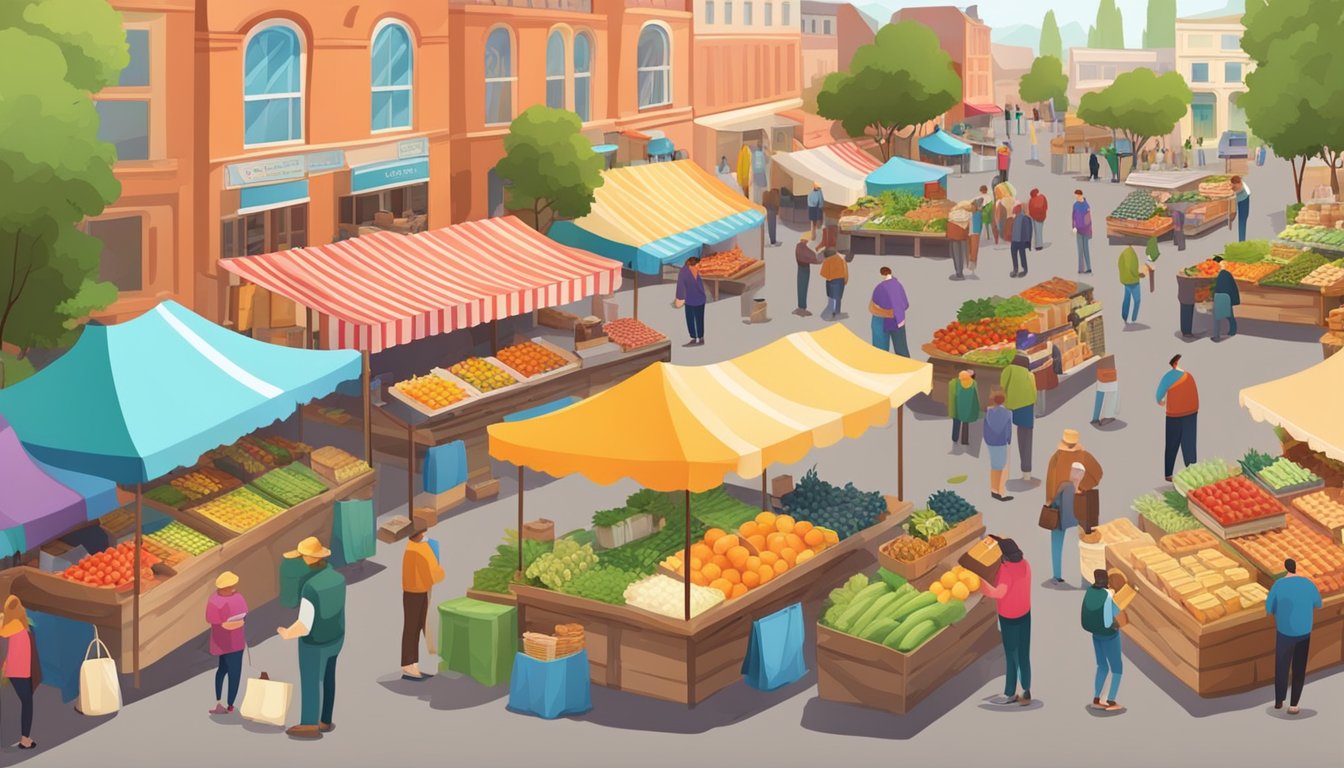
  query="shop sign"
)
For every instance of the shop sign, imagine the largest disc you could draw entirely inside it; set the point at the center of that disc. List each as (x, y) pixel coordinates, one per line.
(412, 148)
(333, 160)
(383, 176)
(266, 171)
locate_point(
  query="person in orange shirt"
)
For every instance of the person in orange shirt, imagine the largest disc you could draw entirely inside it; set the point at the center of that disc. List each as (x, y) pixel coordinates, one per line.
(420, 571)
(835, 272)
(1178, 393)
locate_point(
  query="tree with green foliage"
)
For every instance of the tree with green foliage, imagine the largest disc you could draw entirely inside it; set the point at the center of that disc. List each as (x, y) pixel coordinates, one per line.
(1045, 81)
(898, 82)
(1160, 31)
(1109, 30)
(551, 168)
(1140, 105)
(1051, 42)
(54, 172)
(1290, 99)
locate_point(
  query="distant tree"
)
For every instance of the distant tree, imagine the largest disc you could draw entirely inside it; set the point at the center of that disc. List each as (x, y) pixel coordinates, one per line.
(901, 80)
(1161, 29)
(1045, 81)
(54, 172)
(1140, 105)
(551, 168)
(1109, 29)
(1051, 43)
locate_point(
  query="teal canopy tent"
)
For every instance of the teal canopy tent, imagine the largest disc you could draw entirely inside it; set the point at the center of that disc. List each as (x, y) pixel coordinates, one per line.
(901, 175)
(944, 144)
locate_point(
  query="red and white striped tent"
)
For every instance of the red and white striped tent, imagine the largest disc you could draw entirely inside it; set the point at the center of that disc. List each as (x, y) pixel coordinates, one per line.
(841, 169)
(383, 289)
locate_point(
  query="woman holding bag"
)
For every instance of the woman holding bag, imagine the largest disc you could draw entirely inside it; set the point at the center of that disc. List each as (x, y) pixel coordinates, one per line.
(21, 666)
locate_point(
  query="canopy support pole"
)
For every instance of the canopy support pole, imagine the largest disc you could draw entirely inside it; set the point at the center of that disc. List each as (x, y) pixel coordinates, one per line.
(900, 452)
(520, 522)
(494, 337)
(686, 558)
(410, 472)
(308, 329)
(368, 415)
(765, 497)
(135, 609)
(762, 249)
(636, 293)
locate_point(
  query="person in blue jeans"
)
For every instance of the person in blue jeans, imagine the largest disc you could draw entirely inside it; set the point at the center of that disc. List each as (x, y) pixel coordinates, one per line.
(1292, 602)
(1131, 277)
(998, 435)
(1243, 195)
(1099, 619)
(888, 306)
(1064, 502)
(691, 295)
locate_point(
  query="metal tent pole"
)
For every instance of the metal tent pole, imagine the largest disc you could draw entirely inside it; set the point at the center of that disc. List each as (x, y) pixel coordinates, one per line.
(636, 293)
(900, 451)
(135, 608)
(410, 472)
(368, 421)
(520, 522)
(765, 497)
(686, 558)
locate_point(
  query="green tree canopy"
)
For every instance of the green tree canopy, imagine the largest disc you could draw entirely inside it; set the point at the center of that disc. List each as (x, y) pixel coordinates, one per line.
(1045, 81)
(54, 172)
(1160, 31)
(1051, 42)
(1109, 30)
(551, 168)
(1140, 104)
(901, 80)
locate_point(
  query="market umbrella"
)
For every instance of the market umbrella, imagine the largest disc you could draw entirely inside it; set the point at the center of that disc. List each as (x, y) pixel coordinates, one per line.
(1301, 404)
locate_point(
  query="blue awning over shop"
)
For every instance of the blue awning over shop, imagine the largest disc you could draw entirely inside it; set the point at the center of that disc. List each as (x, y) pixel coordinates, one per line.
(395, 173)
(263, 197)
(944, 144)
(900, 174)
(661, 147)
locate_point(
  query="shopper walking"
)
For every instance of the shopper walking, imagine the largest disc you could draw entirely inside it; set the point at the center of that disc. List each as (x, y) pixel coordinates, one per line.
(1012, 593)
(1292, 601)
(1179, 394)
(1019, 389)
(978, 205)
(420, 571)
(691, 295)
(1186, 291)
(21, 666)
(1200, 142)
(1093, 167)
(1226, 295)
(998, 435)
(888, 307)
(1017, 113)
(1007, 119)
(1022, 226)
(963, 406)
(1005, 159)
(806, 258)
(1106, 406)
(989, 213)
(320, 632)
(770, 200)
(1243, 196)
(1131, 275)
(1037, 208)
(1082, 230)
(225, 612)
(835, 272)
(1100, 616)
(816, 204)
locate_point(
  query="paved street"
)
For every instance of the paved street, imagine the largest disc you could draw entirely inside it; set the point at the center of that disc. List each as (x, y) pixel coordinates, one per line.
(457, 722)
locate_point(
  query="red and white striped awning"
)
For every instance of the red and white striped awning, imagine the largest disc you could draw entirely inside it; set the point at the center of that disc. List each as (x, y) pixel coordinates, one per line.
(383, 289)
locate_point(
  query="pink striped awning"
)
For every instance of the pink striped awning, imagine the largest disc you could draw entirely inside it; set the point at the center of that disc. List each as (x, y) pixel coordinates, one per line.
(383, 289)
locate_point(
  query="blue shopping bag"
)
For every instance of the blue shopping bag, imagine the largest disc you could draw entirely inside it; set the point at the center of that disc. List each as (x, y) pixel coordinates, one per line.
(775, 650)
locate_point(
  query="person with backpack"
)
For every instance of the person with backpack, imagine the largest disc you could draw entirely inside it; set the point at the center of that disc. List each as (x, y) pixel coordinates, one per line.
(1100, 615)
(21, 665)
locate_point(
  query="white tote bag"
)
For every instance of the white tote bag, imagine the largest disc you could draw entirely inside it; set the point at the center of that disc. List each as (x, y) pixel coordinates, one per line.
(265, 700)
(99, 688)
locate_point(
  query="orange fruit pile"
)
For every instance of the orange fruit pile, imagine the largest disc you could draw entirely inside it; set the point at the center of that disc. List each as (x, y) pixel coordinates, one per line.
(530, 358)
(762, 549)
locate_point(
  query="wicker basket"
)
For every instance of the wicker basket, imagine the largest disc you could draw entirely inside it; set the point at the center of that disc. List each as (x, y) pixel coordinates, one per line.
(567, 641)
(539, 646)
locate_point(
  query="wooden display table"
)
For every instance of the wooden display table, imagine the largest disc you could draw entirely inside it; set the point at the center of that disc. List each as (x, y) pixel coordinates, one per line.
(1298, 306)
(688, 661)
(750, 278)
(172, 610)
(881, 236)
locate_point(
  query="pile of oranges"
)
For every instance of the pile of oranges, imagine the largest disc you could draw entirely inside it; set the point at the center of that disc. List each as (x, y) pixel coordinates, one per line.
(762, 549)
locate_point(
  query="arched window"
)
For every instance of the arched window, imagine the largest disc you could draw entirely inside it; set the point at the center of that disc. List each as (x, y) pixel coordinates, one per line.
(273, 86)
(499, 77)
(555, 70)
(654, 59)
(583, 76)
(392, 67)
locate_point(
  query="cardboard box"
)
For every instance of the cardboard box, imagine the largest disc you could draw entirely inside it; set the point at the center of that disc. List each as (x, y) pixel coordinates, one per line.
(540, 529)
(983, 559)
(1124, 596)
(479, 491)
(424, 518)
(442, 502)
(556, 318)
(781, 485)
(397, 527)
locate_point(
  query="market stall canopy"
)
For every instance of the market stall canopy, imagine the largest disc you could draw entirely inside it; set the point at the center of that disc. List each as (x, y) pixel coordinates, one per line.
(645, 216)
(383, 289)
(758, 117)
(944, 144)
(130, 402)
(1170, 181)
(39, 502)
(980, 110)
(840, 169)
(1300, 404)
(672, 427)
(902, 175)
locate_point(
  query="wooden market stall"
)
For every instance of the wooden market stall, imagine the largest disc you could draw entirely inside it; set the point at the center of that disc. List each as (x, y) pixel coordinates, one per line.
(685, 428)
(1287, 289)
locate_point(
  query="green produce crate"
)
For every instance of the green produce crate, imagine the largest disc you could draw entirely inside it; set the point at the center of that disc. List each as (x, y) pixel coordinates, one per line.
(479, 639)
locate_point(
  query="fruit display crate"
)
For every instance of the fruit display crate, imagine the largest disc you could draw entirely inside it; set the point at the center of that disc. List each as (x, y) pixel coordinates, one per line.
(1232, 471)
(1246, 528)
(401, 397)
(572, 362)
(1290, 491)
(519, 380)
(968, 531)
(1334, 531)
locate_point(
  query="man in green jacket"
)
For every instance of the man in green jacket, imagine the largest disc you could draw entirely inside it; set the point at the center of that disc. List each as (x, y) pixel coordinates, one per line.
(963, 406)
(320, 630)
(1019, 391)
(1131, 272)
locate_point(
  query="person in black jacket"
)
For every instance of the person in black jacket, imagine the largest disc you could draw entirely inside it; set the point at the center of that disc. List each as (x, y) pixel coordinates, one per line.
(1093, 167)
(1225, 297)
(1021, 242)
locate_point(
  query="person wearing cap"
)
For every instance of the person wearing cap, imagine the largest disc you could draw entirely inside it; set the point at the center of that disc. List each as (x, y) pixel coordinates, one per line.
(320, 631)
(1178, 393)
(1012, 594)
(1071, 473)
(420, 571)
(1019, 390)
(1099, 619)
(1292, 601)
(224, 612)
(1226, 295)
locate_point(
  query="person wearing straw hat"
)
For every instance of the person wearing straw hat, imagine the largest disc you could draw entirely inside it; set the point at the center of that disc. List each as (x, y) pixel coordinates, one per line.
(320, 631)
(224, 612)
(420, 571)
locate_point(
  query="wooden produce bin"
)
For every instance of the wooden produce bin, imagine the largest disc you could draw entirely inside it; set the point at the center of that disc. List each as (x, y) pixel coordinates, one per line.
(1128, 229)
(946, 367)
(1298, 306)
(855, 671)
(688, 661)
(172, 609)
(1230, 655)
(882, 239)
(749, 278)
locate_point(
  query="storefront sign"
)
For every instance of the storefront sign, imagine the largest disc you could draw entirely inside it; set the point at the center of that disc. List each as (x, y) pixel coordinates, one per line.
(370, 178)
(264, 197)
(412, 148)
(319, 162)
(266, 171)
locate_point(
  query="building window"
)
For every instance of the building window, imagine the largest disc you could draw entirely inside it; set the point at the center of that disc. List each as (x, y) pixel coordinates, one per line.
(122, 260)
(785, 14)
(654, 60)
(402, 202)
(272, 87)
(1232, 72)
(123, 109)
(1199, 41)
(555, 70)
(392, 69)
(825, 26)
(253, 234)
(1109, 72)
(499, 77)
(728, 12)
(1199, 72)
(769, 14)
(746, 12)
(1231, 42)
(1089, 72)
(709, 11)
(583, 76)
(812, 25)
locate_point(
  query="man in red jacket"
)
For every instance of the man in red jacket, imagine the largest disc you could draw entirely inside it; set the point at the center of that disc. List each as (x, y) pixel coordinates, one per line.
(1036, 209)
(1177, 391)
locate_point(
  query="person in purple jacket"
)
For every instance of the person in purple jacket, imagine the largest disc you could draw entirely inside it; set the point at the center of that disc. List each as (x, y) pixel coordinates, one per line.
(1082, 229)
(691, 295)
(888, 307)
(224, 612)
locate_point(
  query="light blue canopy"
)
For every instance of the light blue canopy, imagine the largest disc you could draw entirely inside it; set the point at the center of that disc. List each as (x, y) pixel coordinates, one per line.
(131, 402)
(944, 144)
(901, 175)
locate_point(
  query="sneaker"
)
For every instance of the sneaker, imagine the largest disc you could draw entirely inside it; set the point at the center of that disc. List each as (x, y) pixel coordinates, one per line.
(1293, 710)
(1014, 274)
(1112, 706)
(304, 732)
(801, 312)
(1005, 498)
(326, 727)
(1025, 698)
(220, 709)
(1096, 704)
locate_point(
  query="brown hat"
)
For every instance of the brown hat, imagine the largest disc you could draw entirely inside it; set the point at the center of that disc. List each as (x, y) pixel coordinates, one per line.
(1069, 440)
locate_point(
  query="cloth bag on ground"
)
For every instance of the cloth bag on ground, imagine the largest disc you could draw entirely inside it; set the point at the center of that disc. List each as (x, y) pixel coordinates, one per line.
(265, 700)
(355, 530)
(775, 650)
(99, 688)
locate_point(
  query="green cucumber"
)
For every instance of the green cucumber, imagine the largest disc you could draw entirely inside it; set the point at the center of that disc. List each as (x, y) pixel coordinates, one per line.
(953, 610)
(928, 612)
(860, 604)
(917, 635)
(921, 601)
(879, 629)
(907, 594)
(893, 580)
(870, 615)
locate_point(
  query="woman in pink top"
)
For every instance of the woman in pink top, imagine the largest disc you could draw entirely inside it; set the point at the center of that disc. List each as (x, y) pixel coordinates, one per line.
(224, 613)
(18, 635)
(1013, 594)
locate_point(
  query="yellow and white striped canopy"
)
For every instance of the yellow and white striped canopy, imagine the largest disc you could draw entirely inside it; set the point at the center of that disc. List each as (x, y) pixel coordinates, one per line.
(673, 427)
